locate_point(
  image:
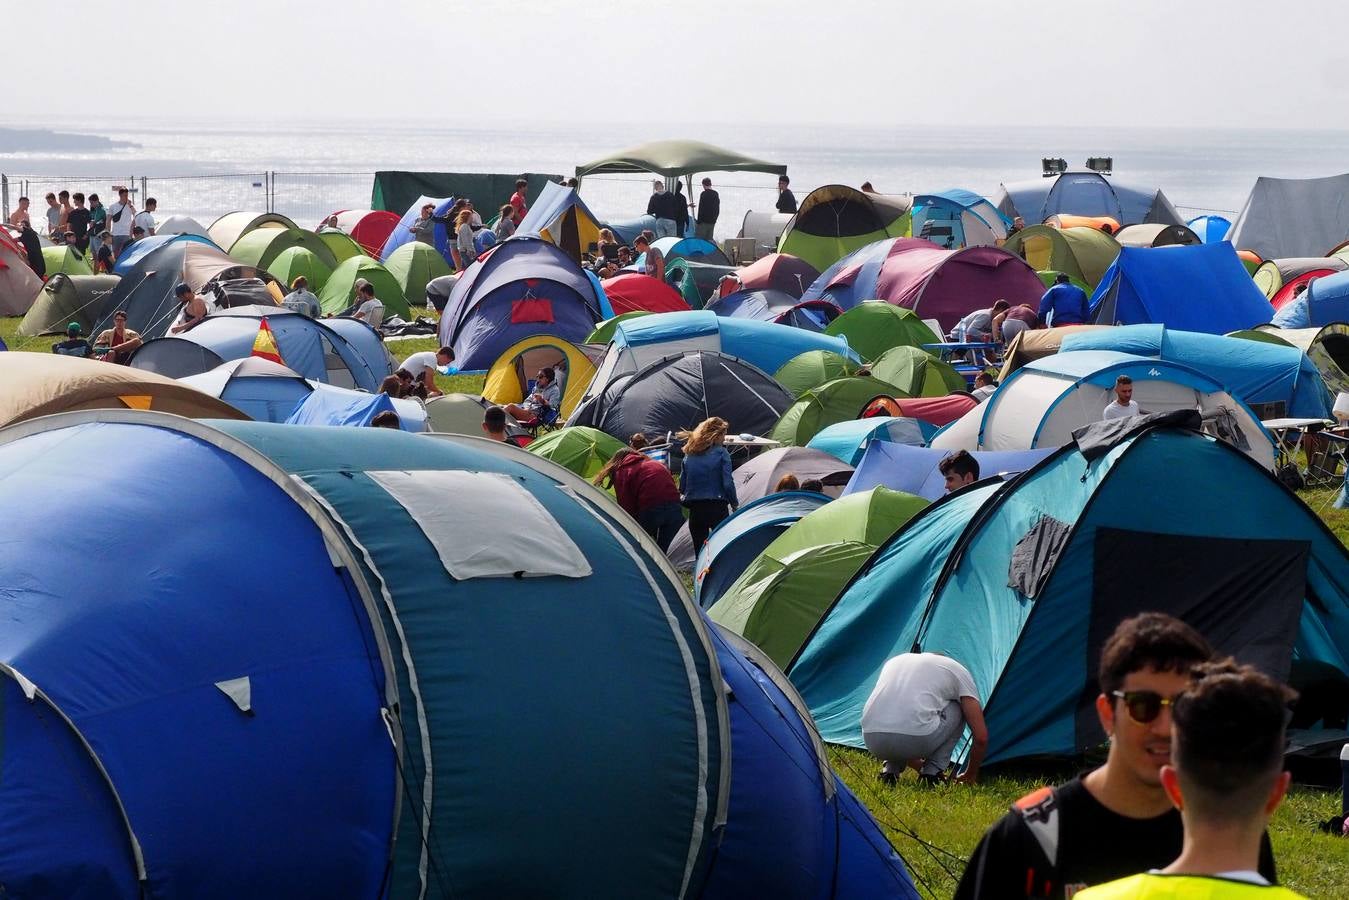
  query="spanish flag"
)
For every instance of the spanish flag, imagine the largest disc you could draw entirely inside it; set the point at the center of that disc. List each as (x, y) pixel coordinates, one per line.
(264, 344)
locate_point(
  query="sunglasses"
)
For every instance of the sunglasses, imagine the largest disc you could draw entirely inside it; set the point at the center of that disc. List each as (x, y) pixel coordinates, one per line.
(1144, 706)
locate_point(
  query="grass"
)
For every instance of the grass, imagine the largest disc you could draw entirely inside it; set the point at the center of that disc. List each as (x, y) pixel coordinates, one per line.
(953, 817)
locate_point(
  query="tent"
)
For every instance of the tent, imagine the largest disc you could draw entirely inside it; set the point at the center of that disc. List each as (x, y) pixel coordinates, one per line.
(258, 248)
(181, 225)
(916, 470)
(627, 230)
(1200, 288)
(369, 228)
(781, 595)
(146, 290)
(917, 373)
(835, 220)
(65, 260)
(1086, 194)
(65, 299)
(812, 369)
(513, 371)
(294, 262)
(956, 218)
(742, 536)
(311, 347)
(578, 448)
(694, 249)
(677, 392)
(138, 250)
(1210, 229)
(932, 410)
(1045, 401)
(778, 272)
(41, 384)
(356, 409)
(695, 279)
(831, 402)
(456, 414)
(1325, 300)
(1327, 347)
(259, 388)
(1083, 254)
(872, 328)
(776, 306)
(603, 332)
(19, 284)
(519, 288)
(227, 229)
(1023, 581)
(442, 231)
(1037, 344)
(1155, 235)
(1293, 216)
(1278, 279)
(413, 266)
(937, 284)
(1104, 224)
(342, 247)
(1275, 381)
(765, 229)
(339, 291)
(561, 218)
(673, 158)
(849, 440)
(638, 292)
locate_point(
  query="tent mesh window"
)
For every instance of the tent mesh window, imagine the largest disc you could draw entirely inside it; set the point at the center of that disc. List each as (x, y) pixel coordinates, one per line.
(1035, 555)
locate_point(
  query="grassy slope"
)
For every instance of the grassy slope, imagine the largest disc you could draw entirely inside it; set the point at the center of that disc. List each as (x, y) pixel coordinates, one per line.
(953, 817)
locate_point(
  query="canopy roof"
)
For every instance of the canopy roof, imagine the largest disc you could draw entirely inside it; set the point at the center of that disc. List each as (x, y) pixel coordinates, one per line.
(673, 158)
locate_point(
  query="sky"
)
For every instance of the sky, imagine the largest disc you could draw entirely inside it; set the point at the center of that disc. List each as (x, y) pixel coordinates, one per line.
(1136, 63)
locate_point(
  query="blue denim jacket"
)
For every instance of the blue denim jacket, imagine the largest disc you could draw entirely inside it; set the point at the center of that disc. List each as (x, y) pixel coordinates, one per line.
(707, 476)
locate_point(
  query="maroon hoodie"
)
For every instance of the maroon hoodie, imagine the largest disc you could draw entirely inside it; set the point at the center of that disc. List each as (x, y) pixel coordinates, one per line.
(641, 483)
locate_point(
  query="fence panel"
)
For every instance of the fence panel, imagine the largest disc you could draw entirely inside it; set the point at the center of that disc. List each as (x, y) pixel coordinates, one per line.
(620, 197)
(36, 188)
(206, 197)
(307, 197)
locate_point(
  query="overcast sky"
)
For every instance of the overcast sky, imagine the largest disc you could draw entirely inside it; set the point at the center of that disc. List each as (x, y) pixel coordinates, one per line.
(884, 62)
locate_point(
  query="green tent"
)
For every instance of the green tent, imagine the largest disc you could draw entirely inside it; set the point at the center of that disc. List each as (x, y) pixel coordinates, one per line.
(673, 158)
(604, 332)
(873, 327)
(262, 245)
(917, 372)
(835, 401)
(695, 281)
(293, 262)
(581, 449)
(340, 244)
(65, 299)
(1083, 253)
(835, 220)
(777, 602)
(63, 260)
(812, 369)
(412, 266)
(339, 294)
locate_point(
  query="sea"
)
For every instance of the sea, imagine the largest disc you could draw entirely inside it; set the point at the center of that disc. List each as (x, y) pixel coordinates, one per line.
(206, 167)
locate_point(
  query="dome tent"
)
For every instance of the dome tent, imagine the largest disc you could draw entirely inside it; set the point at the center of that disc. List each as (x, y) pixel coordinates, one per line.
(638, 292)
(917, 470)
(413, 266)
(836, 220)
(958, 218)
(1210, 229)
(342, 247)
(1085, 194)
(577, 448)
(511, 373)
(777, 307)
(339, 292)
(849, 440)
(559, 216)
(368, 228)
(778, 272)
(832, 402)
(294, 262)
(741, 537)
(65, 260)
(917, 373)
(1083, 254)
(19, 284)
(258, 248)
(812, 369)
(873, 327)
(1278, 279)
(138, 250)
(64, 300)
(1155, 235)
(227, 229)
(603, 332)
(456, 414)
(181, 225)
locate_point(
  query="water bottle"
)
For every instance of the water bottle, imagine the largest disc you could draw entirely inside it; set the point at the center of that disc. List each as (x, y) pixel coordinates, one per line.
(1344, 779)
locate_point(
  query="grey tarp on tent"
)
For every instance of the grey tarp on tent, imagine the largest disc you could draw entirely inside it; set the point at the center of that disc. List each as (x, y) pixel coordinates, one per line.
(673, 158)
(65, 299)
(1293, 216)
(397, 191)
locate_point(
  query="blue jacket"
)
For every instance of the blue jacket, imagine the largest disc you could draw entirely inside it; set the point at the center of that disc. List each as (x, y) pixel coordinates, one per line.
(1067, 302)
(707, 476)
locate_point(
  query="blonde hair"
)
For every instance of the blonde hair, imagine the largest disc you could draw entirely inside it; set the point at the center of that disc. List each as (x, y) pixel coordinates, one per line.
(465, 215)
(709, 433)
(607, 236)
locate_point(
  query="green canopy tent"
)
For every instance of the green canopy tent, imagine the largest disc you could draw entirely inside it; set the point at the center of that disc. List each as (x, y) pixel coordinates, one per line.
(836, 401)
(340, 244)
(917, 372)
(339, 294)
(412, 266)
(65, 299)
(293, 262)
(777, 602)
(835, 220)
(677, 158)
(812, 369)
(581, 449)
(64, 260)
(1082, 253)
(873, 327)
(260, 246)
(604, 332)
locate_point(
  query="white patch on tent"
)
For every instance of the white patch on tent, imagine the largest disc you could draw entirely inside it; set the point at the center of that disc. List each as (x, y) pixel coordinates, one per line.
(29, 689)
(240, 691)
(484, 524)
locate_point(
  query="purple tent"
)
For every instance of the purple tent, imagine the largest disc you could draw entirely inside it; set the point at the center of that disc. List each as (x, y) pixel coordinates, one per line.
(776, 306)
(520, 287)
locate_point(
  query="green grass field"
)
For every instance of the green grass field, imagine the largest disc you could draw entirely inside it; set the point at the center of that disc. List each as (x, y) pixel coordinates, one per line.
(936, 828)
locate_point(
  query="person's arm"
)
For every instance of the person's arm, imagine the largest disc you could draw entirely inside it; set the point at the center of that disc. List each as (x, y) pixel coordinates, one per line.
(133, 340)
(1046, 305)
(683, 470)
(728, 482)
(974, 717)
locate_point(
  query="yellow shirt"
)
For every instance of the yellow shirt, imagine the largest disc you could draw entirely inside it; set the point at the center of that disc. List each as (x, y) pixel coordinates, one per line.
(1184, 887)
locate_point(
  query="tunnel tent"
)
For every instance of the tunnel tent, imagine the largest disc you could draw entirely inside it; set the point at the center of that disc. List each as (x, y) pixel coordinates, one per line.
(604, 331)
(138, 250)
(227, 229)
(834, 401)
(64, 300)
(259, 247)
(513, 372)
(812, 369)
(873, 327)
(776, 271)
(1037, 344)
(1156, 235)
(1292, 217)
(65, 260)
(1210, 228)
(849, 440)
(559, 216)
(1327, 347)
(413, 266)
(743, 535)
(917, 372)
(1278, 279)
(339, 291)
(1086, 194)
(1083, 254)
(294, 262)
(836, 220)
(957, 218)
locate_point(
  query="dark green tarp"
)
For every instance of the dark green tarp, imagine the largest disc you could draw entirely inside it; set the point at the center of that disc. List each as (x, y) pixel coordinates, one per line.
(397, 191)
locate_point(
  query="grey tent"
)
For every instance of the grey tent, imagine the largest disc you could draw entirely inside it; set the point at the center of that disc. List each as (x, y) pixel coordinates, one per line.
(65, 299)
(1086, 194)
(1293, 217)
(674, 158)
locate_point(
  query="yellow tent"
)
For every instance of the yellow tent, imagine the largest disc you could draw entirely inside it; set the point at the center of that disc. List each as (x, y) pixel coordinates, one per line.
(573, 363)
(560, 217)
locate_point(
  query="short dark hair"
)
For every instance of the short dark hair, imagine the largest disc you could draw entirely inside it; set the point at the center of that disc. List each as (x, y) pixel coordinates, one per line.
(50, 196)
(22, 199)
(1062, 278)
(448, 351)
(988, 379)
(960, 463)
(366, 289)
(521, 183)
(1229, 738)
(386, 419)
(1153, 641)
(638, 441)
(547, 372)
(813, 484)
(120, 314)
(77, 197)
(784, 179)
(494, 418)
(63, 194)
(92, 198)
(1124, 379)
(151, 201)
(1001, 305)
(403, 374)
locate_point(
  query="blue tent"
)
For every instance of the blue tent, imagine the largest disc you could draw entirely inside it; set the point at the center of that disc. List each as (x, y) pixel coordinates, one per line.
(138, 250)
(1257, 373)
(957, 218)
(734, 543)
(776, 306)
(903, 467)
(626, 230)
(257, 387)
(1022, 581)
(1194, 288)
(849, 440)
(1325, 300)
(1210, 229)
(338, 407)
(441, 232)
(763, 344)
(694, 249)
(1086, 194)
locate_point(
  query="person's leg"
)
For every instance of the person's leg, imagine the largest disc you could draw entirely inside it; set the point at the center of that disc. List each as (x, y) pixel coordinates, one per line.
(894, 750)
(671, 520)
(942, 742)
(704, 515)
(518, 412)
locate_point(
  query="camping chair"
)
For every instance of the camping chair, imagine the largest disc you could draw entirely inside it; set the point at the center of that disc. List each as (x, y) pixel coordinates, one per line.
(86, 352)
(544, 421)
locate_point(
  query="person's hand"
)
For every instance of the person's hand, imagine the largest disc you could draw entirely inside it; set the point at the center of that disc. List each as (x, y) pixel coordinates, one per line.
(967, 777)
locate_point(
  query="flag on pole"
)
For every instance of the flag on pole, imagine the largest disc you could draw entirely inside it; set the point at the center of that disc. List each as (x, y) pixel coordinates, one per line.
(264, 344)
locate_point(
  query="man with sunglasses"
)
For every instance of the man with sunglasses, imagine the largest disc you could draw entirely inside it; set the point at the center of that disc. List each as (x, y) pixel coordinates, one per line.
(1116, 820)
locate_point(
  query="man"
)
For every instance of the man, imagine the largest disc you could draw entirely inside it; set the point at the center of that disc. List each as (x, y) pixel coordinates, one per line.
(64, 199)
(98, 216)
(1018, 224)
(518, 200)
(71, 241)
(301, 299)
(1116, 820)
(959, 469)
(984, 386)
(32, 248)
(74, 344)
(422, 367)
(1011, 322)
(77, 223)
(121, 214)
(1226, 777)
(146, 218)
(193, 309)
(103, 258)
(977, 327)
(369, 308)
(1064, 304)
(116, 344)
(53, 219)
(918, 712)
(546, 396)
(494, 423)
(20, 214)
(786, 199)
(424, 228)
(662, 207)
(681, 210)
(709, 209)
(1124, 405)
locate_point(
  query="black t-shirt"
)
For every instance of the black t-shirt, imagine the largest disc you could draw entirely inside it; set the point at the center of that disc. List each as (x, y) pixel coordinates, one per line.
(786, 201)
(78, 222)
(1095, 846)
(663, 206)
(709, 207)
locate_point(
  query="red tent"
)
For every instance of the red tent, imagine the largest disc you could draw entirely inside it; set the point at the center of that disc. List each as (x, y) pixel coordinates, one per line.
(778, 272)
(933, 410)
(368, 227)
(637, 292)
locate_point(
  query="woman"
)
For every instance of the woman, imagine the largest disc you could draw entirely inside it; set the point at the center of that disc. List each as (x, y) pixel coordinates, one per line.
(505, 226)
(705, 482)
(463, 239)
(607, 246)
(646, 491)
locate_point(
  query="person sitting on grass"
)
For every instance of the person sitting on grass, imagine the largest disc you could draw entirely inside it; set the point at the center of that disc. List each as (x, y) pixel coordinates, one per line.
(545, 397)
(423, 366)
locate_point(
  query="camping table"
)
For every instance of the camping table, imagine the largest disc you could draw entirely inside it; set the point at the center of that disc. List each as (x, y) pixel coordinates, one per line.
(1288, 435)
(948, 349)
